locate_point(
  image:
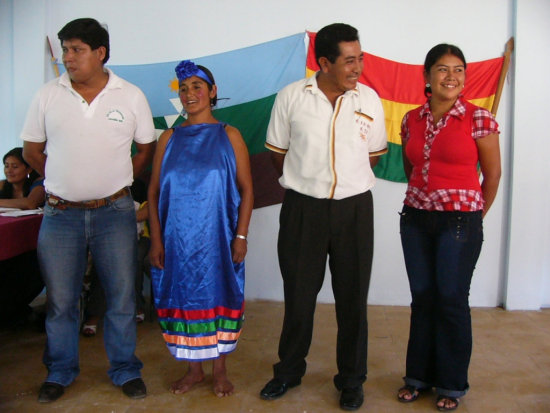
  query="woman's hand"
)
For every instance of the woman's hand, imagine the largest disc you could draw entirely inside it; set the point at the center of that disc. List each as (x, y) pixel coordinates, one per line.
(238, 249)
(156, 254)
(488, 149)
(244, 184)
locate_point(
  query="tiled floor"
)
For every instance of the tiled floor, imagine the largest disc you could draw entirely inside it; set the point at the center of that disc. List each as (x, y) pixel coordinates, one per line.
(510, 369)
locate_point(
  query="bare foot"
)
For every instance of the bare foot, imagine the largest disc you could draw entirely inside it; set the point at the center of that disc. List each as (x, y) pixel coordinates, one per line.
(407, 394)
(193, 376)
(447, 403)
(222, 386)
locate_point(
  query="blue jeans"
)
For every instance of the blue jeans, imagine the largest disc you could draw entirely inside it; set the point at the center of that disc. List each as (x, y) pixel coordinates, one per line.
(441, 250)
(65, 236)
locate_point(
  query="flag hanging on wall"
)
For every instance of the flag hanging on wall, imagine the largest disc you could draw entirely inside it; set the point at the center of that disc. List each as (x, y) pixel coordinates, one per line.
(401, 88)
(248, 80)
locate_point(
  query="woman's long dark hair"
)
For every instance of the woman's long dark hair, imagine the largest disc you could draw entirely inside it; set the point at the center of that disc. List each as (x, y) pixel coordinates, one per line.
(7, 191)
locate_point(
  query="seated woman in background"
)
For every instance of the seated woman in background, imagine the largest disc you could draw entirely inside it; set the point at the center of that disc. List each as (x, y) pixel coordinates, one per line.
(20, 280)
(22, 187)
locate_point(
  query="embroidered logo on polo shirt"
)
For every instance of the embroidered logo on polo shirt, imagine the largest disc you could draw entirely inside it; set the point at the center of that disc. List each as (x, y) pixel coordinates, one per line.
(363, 121)
(115, 115)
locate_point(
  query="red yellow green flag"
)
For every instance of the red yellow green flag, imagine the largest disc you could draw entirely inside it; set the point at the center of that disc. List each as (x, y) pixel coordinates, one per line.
(401, 88)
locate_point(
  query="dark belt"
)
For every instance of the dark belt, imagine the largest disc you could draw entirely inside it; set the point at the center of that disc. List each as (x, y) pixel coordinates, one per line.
(60, 203)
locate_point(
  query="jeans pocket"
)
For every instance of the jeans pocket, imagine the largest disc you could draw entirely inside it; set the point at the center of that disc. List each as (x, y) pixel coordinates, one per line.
(126, 203)
(50, 211)
(404, 220)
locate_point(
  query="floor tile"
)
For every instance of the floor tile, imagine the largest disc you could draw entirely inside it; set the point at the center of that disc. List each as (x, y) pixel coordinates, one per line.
(509, 371)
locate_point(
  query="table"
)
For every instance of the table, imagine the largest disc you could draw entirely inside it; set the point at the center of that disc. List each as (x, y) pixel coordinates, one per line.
(18, 234)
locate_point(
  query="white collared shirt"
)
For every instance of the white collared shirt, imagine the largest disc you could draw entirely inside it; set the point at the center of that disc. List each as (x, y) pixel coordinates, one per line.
(327, 149)
(88, 145)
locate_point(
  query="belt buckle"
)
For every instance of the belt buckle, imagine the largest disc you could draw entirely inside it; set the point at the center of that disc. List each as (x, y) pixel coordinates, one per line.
(53, 201)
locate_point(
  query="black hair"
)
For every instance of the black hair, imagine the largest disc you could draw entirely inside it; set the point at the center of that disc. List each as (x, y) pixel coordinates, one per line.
(435, 54)
(327, 41)
(89, 31)
(214, 100)
(7, 190)
(16, 153)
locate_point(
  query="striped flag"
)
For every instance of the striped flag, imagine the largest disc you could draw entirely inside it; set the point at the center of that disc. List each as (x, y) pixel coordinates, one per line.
(248, 80)
(401, 88)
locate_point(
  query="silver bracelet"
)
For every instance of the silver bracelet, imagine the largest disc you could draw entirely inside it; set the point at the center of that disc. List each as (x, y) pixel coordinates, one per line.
(240, 236)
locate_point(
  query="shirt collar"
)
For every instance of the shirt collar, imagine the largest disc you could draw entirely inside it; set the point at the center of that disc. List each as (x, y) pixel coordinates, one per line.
(311, 85)
(114, 81)
(458, 110)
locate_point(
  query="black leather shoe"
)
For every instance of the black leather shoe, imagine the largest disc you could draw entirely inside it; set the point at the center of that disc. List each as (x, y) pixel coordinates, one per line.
(351, 398)
(50, 392)
(276, 387)
(134, 389)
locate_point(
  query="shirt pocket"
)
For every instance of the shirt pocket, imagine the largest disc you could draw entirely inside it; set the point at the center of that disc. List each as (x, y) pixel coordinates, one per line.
(363, 125)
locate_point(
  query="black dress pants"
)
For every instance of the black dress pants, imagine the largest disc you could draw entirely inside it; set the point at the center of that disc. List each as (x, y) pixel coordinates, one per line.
(310, 230)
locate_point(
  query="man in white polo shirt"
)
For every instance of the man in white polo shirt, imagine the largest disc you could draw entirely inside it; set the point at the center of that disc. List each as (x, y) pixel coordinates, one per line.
(325, 133)
(78, 134)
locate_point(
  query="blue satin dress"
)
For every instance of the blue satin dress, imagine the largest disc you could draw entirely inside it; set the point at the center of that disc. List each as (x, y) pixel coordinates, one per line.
(199, 295)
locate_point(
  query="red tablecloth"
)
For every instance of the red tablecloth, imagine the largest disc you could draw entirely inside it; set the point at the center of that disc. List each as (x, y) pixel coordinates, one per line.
(18, 235)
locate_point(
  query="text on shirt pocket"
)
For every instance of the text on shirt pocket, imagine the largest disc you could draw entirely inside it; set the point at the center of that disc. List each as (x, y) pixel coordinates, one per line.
(363, 123)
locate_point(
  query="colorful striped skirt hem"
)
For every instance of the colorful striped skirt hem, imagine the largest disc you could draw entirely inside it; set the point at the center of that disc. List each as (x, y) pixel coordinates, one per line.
(196, 335)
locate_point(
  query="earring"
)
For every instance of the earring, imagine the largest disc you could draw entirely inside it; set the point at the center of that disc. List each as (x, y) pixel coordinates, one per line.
(428, 85)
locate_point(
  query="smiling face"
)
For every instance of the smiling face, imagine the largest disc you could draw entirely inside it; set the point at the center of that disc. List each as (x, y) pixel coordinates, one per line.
(446, 77)
(343, 74)
(195, 95)
(82, 63)
(16, 171)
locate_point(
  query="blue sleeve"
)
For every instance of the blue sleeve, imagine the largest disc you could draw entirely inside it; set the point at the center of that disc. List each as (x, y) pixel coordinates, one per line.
(38, 182)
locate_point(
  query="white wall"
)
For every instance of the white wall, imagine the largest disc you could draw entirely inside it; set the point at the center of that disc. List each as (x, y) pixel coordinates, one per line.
(528, 275)
(6, 71)
(167, 30)
(22, 41)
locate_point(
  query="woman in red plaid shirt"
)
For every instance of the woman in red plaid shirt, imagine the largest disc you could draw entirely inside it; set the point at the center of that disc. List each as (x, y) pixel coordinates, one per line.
(441, 224)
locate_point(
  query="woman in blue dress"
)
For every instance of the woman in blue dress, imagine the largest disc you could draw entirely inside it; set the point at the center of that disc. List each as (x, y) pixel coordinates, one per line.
(200, 203)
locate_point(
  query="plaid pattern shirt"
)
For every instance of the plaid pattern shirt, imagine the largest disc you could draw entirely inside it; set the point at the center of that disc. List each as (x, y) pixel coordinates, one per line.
(449, 199)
